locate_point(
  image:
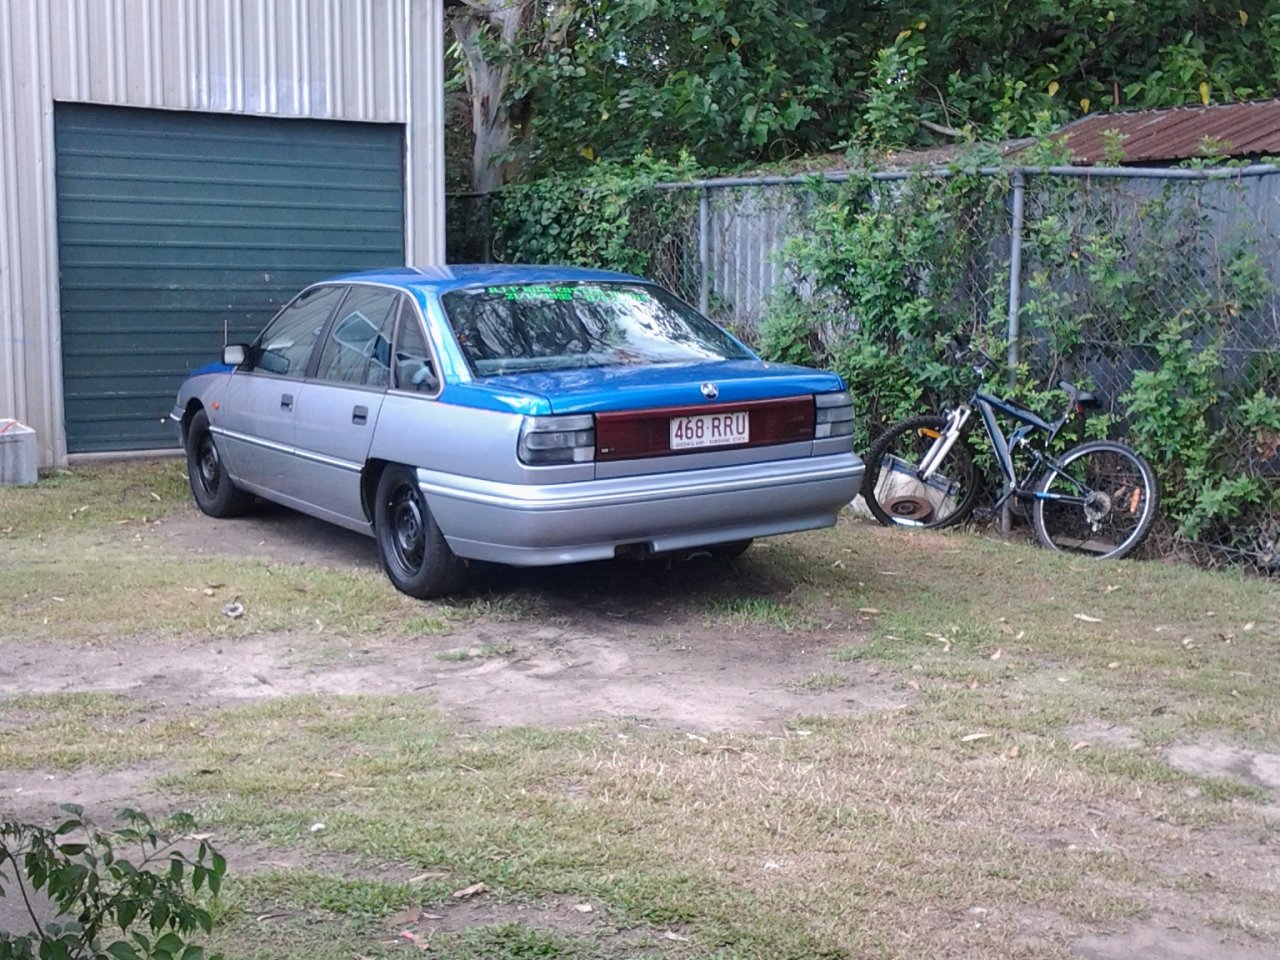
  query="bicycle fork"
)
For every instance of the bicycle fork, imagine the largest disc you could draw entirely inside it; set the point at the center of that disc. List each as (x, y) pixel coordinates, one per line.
(956, 419)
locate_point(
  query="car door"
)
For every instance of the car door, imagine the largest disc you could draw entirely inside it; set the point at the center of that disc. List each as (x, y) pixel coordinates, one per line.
(256, 419)
(339, 404)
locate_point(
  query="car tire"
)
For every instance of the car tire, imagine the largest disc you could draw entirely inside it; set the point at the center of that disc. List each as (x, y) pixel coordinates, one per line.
(414, 553)
(215, 493)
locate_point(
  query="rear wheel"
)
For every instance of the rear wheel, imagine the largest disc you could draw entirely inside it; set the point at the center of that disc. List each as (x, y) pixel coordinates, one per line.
(1113, 503)
(414, 553)
(894, 493)
(212, 487)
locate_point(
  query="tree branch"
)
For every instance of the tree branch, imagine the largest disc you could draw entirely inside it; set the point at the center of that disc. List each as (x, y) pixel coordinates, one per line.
(22, 889)
(940, 128)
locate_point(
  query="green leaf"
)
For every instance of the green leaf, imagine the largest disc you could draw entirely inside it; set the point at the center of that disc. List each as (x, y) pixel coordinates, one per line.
(169, 944)
(122, 950)
(126, 913)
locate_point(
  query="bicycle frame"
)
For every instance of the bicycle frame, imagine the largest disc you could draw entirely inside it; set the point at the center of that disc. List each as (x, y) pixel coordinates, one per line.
(1029, 423)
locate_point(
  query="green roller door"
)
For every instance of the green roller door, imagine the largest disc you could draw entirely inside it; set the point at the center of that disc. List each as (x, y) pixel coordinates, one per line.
(172, 225)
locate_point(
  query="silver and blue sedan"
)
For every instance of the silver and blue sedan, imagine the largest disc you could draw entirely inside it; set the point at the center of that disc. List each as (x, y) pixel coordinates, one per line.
(520, 415)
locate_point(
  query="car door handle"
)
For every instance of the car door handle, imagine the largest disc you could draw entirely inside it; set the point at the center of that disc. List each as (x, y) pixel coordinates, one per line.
(286, 401)
(360, 415)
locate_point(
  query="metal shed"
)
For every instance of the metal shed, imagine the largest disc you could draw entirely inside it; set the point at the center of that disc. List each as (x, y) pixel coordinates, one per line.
(170, 169)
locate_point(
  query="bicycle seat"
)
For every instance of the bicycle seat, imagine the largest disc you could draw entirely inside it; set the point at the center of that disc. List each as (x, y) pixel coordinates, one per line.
(1082, 399)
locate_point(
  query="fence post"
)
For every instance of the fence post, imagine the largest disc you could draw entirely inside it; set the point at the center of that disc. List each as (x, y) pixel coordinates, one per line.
(1019, 182)
(704, 249)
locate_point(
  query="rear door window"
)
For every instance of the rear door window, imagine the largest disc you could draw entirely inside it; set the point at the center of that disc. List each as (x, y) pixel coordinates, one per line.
(358, 348)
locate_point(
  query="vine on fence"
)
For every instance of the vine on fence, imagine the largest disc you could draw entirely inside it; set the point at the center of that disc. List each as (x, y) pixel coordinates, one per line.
(878, 295)
(611, 217)
(1144, 293)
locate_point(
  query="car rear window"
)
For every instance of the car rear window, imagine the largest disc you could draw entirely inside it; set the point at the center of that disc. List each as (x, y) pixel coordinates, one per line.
(516, 328)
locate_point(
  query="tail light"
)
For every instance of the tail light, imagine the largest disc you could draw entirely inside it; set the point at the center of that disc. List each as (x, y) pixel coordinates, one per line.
(834, 415)
(551, 440)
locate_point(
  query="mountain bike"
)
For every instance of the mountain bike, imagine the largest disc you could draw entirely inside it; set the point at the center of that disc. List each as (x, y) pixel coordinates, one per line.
(1099, 498)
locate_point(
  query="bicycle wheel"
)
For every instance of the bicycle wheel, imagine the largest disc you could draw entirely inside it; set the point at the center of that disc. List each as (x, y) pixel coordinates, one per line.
(1119, 501)
(895, 495)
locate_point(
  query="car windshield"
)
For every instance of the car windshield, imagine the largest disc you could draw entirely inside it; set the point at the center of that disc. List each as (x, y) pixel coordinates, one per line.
(517, 328)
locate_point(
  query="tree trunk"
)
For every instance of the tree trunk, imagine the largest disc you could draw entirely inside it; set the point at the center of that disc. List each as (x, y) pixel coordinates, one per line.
(475, 24)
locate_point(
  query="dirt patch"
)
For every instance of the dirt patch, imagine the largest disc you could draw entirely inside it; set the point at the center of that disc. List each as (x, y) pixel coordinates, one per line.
(1170, 939)
(1209, 759)
(35, 795)
(705, 681)
(1098, 733)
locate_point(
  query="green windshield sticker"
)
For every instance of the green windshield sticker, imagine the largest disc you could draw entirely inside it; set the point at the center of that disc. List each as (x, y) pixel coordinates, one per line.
(542, 292)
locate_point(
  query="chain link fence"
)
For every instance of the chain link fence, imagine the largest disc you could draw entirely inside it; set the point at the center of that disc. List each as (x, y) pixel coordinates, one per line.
(1157, 287)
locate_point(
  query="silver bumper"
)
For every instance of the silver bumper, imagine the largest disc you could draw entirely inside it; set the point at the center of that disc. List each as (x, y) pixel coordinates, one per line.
(532, 525)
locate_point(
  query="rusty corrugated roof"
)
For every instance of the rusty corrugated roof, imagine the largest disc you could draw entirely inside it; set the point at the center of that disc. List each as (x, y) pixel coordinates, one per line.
(1249, 129)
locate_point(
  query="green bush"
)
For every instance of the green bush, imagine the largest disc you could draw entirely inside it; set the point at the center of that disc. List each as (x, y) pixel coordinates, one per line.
(109, 907)
(611, 218)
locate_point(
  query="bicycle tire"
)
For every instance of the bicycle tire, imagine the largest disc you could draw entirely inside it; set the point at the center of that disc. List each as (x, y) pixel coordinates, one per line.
(1123, 493)
(896, 498)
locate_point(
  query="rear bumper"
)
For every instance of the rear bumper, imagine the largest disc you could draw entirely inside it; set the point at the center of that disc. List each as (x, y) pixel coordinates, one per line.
(529, 525)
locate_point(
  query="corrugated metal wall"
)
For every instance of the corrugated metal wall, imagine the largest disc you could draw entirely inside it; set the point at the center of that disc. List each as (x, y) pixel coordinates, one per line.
(364, 60)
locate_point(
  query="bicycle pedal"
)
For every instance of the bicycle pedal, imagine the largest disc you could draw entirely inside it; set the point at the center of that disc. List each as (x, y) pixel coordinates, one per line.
(983, 515)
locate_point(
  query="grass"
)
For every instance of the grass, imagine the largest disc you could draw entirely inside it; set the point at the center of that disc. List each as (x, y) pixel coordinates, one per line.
(126, 493)
(822, 682)
(866, 836)
(113, 589)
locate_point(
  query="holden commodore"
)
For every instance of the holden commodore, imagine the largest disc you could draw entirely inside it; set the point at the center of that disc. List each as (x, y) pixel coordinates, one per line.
(519, 415)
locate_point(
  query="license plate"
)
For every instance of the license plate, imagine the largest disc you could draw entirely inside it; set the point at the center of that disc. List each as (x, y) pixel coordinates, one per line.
(710, 430)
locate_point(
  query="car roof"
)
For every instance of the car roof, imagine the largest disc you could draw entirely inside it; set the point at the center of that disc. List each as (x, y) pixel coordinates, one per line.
(454, 276)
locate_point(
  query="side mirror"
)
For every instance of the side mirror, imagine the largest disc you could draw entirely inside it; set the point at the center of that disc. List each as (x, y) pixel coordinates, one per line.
(233, 354)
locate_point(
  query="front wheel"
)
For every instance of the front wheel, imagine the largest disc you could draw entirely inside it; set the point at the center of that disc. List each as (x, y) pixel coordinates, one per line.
(893, 490)
(215, 493)
(414, 553)
(1099, 499)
